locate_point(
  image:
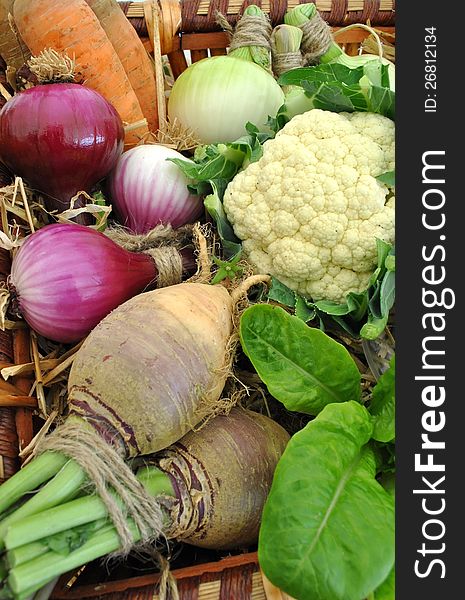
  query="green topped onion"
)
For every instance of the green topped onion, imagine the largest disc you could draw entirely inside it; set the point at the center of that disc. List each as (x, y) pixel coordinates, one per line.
(216, 97)
(259, 54)
(285, 42)
(285, 48)
(303, 13)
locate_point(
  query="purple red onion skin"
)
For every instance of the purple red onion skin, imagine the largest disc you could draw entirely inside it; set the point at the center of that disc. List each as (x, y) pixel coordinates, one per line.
(146, 189)
(61, 138)
(68, 277)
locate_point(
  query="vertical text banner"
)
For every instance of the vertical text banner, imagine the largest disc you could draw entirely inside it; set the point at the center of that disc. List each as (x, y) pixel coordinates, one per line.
(430, 334)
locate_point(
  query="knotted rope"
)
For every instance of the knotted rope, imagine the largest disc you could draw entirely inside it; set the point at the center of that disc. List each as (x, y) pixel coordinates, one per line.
(316, 39)
(169, 265)
(250, 30)
(112, 478)
(161, 243)
(285, 62)
(285, 49)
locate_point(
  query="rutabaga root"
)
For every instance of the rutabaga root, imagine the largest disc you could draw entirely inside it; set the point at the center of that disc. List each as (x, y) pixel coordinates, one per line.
(154, 367)
(202, 235)
(222, 476)
(239, 292)
(239, 297)
(108, 473)
(240, 303)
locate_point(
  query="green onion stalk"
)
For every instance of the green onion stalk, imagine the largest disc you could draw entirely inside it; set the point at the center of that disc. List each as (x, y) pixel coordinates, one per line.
(62, 519)
(303, 14)
(251, 38)
(59, 528)
(286, 55)
(285, 49)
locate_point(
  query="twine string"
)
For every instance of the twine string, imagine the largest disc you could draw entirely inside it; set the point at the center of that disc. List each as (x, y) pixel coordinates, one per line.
(251, 30)
(169, 265)
(284, 61)
(112, 478)
(316, 39)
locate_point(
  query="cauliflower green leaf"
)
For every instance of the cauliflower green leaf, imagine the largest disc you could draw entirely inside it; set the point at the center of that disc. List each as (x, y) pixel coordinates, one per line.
(363, 314)
(337, 88)
(383, 405)
(388, 178)
(213, 167)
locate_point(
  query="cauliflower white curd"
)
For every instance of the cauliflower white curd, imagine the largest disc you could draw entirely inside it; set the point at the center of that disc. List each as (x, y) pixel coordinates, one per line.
(310, 210)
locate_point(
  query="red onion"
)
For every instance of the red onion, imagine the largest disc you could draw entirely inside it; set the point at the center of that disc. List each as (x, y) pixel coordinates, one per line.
(61, 138)
(66, 278)
(145, 189)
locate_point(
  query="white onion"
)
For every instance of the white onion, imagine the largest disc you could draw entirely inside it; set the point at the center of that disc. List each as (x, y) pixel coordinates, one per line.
(216, 97)
(145, 189)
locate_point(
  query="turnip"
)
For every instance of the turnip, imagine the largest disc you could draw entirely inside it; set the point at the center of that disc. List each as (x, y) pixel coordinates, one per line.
(213, 483)
(234, 457)
(146, 374)
(152, 370)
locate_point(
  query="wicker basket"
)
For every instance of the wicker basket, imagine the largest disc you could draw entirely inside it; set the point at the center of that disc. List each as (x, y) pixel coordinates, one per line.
(189, 27)
(16, 406)
(181, 31)
(231, 578)
(197, 16)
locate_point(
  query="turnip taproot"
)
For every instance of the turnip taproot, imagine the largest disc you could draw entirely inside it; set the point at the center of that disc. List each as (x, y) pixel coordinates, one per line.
(213, 484)
(148, 373)
(155, 366)
(233, 459)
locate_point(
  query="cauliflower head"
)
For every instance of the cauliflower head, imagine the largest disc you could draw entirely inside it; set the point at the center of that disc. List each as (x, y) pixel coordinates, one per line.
(310, 209)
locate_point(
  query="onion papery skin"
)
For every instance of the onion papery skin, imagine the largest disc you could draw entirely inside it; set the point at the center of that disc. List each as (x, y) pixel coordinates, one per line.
(217, 96)
(61, 138)
(146, 189)
(67, 277)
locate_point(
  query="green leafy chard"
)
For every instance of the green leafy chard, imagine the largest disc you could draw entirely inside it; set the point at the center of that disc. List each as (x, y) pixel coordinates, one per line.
(387, 590)
(327, 529)
(302, 367)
